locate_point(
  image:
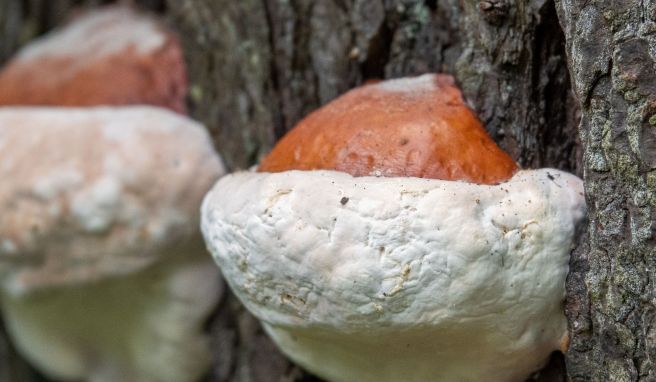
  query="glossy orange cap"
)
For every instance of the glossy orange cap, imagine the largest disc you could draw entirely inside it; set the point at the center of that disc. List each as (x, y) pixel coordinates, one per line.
(413, 127)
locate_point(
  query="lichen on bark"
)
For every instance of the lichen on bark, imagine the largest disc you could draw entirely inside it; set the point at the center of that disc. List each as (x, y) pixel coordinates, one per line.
(611, 290)
(258, 66)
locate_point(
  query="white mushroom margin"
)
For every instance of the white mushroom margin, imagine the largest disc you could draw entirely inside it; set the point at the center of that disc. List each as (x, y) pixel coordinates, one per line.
(387, 279)
(103, 273)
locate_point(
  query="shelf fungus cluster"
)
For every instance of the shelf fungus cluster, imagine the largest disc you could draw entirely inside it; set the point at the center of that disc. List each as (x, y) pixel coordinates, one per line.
(387, 238)
(104, 275)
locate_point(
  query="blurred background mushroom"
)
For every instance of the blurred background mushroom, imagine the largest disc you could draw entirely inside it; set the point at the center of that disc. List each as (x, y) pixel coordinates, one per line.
(409, 249)
(114, 55)
(103, 274)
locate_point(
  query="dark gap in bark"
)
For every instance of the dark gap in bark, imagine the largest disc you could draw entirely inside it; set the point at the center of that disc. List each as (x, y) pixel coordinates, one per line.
(552, 91)
(43, 17)
(555, 371)
(301, 37)
(432, 4)
(342, 4)
(158, 6)
(224, 339)
(308, 378)
(378, 54)
(277, 114)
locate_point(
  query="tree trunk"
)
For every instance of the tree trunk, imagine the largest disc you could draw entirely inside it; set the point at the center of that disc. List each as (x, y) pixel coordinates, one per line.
(258, 66)
(612, 307)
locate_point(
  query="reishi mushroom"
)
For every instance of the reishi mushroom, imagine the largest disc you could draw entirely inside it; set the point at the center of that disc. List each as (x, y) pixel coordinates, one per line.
(110, 56)
(103, 271)
(387, 238)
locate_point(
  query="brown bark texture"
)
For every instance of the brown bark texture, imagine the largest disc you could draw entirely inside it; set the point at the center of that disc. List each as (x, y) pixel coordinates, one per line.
(258, 66)
(261, 65)
(612, 296)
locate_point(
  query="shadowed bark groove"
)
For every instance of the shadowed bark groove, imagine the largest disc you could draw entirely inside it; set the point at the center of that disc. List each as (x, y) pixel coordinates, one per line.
(612, 295)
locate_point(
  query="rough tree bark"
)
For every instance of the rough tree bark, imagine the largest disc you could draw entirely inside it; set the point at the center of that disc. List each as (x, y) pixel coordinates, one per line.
(258, 66)
(612, 307)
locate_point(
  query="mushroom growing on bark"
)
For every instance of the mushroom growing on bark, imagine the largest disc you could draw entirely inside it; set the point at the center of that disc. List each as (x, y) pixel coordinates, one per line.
(110, 56)
(387, 238)
(103, 271)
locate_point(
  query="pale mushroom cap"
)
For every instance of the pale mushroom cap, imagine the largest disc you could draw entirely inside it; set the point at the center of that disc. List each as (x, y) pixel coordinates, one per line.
(96, 192)
(99, 34)
(388, 279)
(113, 55)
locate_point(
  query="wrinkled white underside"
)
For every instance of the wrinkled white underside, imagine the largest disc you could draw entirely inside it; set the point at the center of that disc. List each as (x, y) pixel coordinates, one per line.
(389, 279)
(145, 327)
(89, 193)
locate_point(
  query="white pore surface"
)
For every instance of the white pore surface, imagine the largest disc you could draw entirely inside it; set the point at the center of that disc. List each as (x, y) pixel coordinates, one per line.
(98, 34)
(142, 327)
(89, 193)
(400, 279)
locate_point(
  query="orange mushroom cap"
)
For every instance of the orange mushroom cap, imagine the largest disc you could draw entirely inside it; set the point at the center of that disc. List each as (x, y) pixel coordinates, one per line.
(412, 127)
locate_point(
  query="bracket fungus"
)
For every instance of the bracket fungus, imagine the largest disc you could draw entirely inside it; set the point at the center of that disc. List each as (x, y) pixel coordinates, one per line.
(387, 238)
(103, 271)
(110, 56)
